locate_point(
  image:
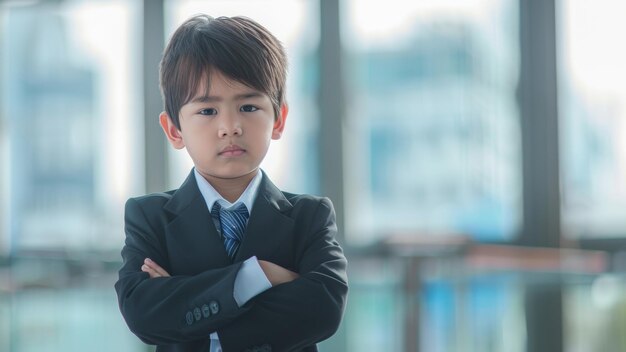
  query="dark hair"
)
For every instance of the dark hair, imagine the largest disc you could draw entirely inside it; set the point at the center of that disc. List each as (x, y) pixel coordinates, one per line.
(238, 47)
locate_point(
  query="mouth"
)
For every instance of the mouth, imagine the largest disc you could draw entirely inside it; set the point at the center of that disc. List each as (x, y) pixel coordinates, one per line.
(231, 151)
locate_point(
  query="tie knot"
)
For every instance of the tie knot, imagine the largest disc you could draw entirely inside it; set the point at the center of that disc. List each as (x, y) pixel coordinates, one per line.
(239, 211)
(233, 224)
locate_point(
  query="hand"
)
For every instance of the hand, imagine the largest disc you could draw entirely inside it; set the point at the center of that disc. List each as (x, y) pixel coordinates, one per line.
(152, 268)
(276, 273)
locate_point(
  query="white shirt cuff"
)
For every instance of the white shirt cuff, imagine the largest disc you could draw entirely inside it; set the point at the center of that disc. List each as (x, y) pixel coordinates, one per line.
(216, 346)
(250, 281)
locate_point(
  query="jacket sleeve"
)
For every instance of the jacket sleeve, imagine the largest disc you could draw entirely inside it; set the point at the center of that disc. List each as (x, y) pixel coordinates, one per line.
(302, 312)
(169, 309)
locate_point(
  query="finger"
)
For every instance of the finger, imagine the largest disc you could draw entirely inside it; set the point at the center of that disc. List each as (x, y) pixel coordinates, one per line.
(156, 267)
(152, 265)
(150, 271)
(162, 271)
(153, 273)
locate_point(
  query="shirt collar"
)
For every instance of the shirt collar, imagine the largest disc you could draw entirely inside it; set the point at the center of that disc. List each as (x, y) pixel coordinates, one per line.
(211, 196)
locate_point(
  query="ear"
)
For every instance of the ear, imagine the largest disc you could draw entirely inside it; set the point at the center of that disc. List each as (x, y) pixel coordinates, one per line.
(279, 124)
(171, 131)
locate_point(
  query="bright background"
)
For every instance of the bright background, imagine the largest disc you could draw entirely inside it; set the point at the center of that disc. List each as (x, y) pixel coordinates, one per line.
(459, 141)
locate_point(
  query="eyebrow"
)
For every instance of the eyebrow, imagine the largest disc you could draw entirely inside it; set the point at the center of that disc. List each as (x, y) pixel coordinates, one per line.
(211, 99)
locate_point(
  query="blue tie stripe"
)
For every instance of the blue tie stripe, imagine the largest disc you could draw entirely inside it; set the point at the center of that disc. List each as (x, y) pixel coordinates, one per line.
(233, 224)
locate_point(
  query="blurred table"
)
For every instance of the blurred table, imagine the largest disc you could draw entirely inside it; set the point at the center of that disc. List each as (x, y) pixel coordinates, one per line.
(471, 258)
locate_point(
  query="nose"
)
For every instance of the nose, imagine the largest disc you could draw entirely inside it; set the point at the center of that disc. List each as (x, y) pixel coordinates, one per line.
(230, 126)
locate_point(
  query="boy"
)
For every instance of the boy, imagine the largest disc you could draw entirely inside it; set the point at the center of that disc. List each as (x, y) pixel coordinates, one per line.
(228, 261)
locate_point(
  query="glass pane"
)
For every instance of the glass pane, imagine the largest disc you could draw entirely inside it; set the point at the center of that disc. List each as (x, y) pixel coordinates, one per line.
(592, 107)
(69, 116)
(433, 130)
(595, 315)
(455, 308)
(291, 161)
(68, 320)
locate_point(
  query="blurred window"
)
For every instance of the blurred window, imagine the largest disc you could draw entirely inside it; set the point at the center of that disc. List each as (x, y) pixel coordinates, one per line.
(70, 113)
(291, 162)
(595, 314)
(433, 138)
(592, 108)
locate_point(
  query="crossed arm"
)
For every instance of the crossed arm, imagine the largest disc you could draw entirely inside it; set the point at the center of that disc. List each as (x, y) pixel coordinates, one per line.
(300, 309)
(276, 274)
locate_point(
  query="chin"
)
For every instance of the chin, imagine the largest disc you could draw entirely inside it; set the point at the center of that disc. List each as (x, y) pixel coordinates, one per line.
(232, 174)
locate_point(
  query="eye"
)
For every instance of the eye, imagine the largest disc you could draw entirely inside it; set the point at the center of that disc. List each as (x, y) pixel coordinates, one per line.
(248, 108)
(209, 111)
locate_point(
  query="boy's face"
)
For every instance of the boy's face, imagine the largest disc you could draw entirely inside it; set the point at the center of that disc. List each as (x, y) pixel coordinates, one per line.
(228, 132)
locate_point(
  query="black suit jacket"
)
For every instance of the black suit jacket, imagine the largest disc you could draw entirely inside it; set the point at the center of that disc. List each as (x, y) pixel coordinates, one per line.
(178, 313)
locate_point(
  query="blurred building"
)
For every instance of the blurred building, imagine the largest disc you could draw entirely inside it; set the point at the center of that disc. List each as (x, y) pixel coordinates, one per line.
(437, 129)
(53, 145)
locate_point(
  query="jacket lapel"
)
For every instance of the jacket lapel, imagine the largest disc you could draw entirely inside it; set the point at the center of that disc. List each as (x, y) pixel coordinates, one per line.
(269, 227)
(192, 241)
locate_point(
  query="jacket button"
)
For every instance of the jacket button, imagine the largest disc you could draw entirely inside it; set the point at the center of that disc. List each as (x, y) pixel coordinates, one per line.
(206, 311)
(189, 318)
(214, 307)
(197, 314)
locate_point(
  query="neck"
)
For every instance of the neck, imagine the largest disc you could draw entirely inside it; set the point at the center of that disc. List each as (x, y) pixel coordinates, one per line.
(230, 188)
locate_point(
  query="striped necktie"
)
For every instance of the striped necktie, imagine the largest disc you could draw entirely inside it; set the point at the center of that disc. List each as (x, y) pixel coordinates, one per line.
(233, 224)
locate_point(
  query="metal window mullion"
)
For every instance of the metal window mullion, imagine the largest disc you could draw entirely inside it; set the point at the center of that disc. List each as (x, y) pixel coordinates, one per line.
(155, 145)
(331, 121)
(331, 111)
(539, 124)
(538, 102)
